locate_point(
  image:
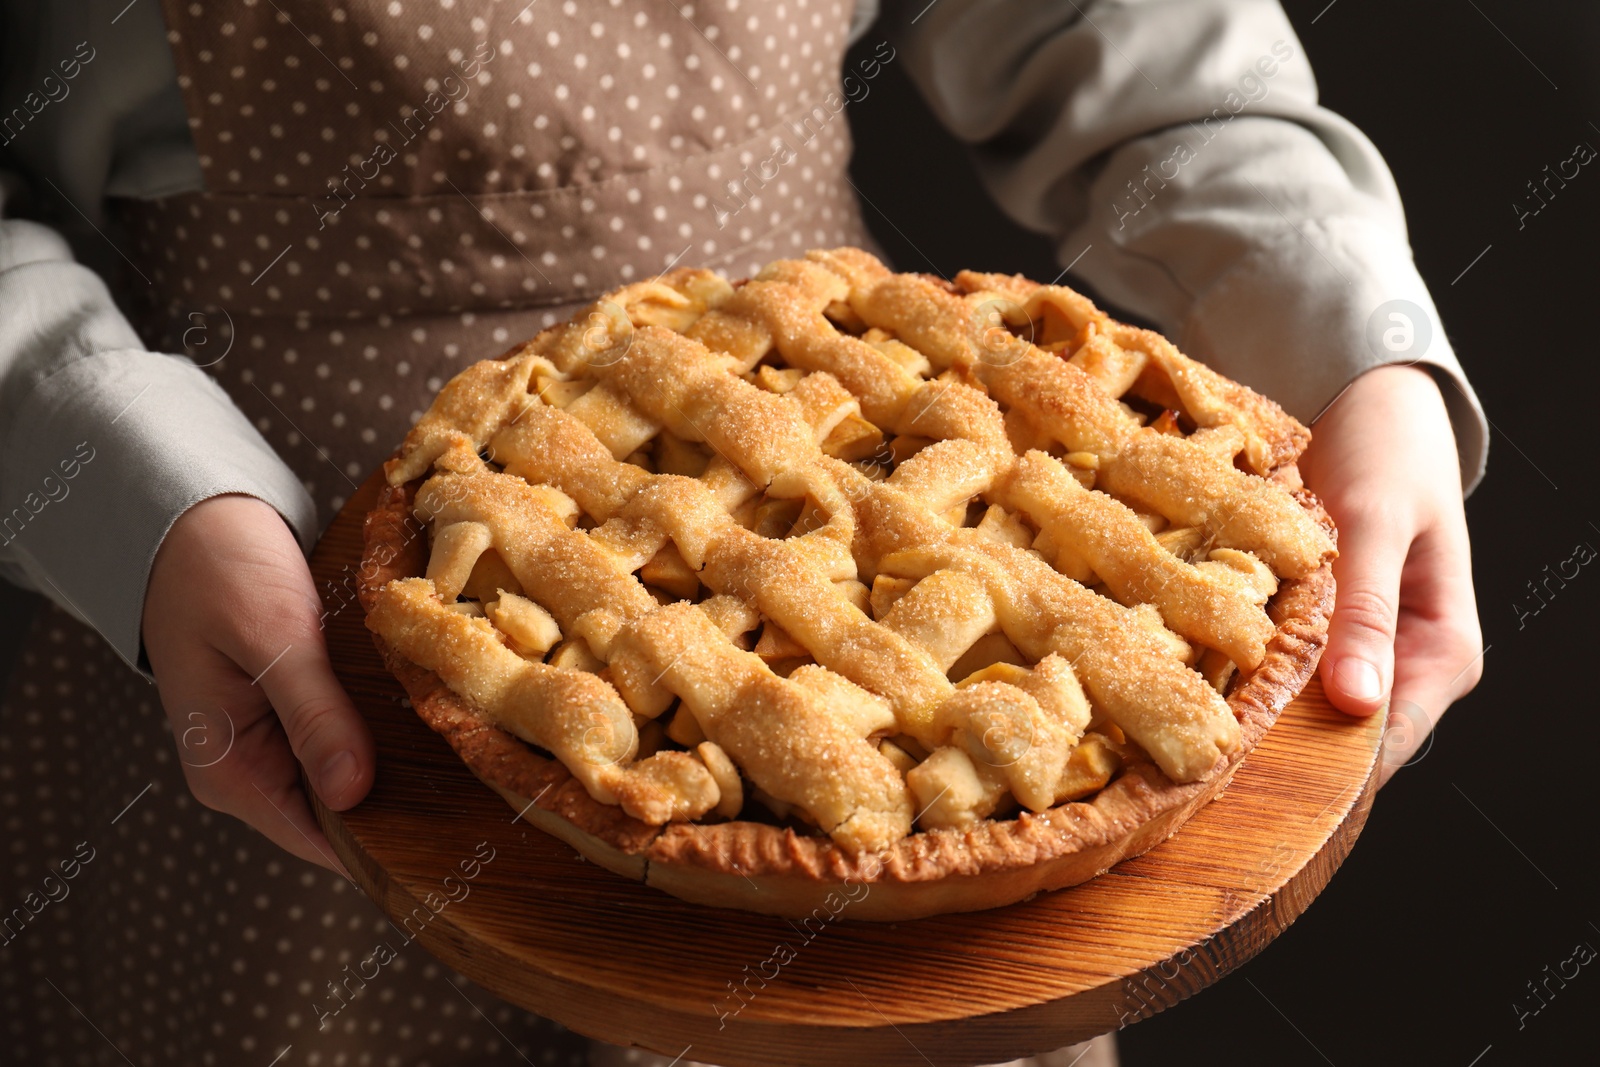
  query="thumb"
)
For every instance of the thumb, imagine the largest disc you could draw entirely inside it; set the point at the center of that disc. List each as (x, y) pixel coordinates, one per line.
(327, 734)
(1358, 666)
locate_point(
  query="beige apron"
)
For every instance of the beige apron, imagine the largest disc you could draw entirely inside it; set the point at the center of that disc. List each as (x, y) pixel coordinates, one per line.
(394, 189)
(395, 193)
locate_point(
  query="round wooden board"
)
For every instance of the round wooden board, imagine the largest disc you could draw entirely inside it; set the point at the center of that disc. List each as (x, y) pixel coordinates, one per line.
(608, 957)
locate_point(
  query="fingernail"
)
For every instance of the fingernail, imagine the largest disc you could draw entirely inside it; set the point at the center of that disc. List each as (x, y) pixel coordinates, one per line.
(337, 772)
(1359, 679)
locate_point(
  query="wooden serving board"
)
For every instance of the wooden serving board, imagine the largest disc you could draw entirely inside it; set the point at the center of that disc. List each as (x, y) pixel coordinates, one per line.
(611, 958)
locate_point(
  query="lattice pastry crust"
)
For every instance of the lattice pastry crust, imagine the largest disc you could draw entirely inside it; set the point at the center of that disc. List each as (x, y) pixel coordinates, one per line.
(961, 589)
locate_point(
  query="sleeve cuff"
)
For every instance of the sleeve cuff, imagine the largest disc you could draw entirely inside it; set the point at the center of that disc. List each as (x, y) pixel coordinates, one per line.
(103, 457)
(1357, 302)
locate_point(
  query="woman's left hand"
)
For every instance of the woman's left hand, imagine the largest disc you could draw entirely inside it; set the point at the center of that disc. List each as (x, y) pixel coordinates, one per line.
(1405, 629)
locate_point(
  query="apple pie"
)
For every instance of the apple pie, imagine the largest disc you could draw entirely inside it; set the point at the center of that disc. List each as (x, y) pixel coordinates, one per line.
(844, 584)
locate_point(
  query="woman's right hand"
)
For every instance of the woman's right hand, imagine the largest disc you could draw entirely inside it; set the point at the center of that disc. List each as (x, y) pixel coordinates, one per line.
(232, 629)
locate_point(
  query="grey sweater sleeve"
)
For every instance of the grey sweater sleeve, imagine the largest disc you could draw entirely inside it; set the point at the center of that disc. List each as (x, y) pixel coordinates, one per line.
(103, 445)
(1176, 151)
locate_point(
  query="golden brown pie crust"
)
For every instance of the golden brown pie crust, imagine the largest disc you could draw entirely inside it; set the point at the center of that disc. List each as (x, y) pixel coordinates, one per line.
(760, 867)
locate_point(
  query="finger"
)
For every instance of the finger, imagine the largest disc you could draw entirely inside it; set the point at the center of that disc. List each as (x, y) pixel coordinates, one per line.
(1423, 692)
(295, 829)
(271, 800)
(237, 761)
(1358, 666)
(327, 734)
(1439, 648)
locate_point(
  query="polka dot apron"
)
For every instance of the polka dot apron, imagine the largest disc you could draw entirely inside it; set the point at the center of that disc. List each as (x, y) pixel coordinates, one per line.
(393, 189)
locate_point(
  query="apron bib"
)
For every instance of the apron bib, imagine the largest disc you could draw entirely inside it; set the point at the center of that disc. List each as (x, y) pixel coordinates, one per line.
(395, 190)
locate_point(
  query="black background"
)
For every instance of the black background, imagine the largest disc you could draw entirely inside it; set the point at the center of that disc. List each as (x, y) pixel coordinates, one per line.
(1476, 868)
(1426, 937)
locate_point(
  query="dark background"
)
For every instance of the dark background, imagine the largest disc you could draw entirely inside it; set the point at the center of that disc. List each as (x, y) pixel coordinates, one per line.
(1418, 949)
(1428, 934)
